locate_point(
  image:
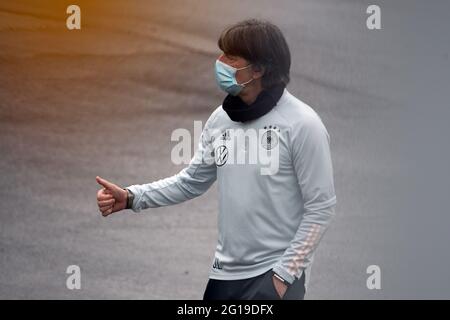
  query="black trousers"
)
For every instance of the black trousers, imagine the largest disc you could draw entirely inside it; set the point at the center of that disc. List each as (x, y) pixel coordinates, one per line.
(257, 288)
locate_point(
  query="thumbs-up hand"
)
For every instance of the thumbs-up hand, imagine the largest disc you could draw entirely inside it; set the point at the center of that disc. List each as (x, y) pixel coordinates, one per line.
(111, 198)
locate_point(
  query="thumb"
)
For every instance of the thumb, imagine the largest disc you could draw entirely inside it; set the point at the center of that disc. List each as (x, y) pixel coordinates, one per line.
(105, 183)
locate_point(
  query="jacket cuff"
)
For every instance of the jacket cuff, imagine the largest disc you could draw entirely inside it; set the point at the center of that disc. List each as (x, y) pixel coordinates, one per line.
(134, 205)
(282, 272)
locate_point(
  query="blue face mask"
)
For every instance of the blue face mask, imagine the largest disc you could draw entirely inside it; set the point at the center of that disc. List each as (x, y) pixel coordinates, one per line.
(226, 78)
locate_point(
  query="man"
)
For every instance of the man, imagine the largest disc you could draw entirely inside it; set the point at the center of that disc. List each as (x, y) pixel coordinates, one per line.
(270, 221)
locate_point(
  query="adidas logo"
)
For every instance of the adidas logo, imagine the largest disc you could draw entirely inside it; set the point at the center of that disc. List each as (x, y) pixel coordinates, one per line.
(217, 264)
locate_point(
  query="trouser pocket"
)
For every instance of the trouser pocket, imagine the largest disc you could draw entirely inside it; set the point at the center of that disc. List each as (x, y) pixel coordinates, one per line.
(296, 291)
(266, 289)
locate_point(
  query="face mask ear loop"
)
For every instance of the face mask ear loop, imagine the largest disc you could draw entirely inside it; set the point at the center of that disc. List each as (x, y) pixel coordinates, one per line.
(245, 83)
(237, 69)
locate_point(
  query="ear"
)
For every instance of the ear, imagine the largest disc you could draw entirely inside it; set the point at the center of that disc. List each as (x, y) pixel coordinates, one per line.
(258, 71)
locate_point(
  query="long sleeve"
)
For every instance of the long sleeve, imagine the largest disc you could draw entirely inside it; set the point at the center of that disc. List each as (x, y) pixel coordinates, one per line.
(191, 182)
(310, 149)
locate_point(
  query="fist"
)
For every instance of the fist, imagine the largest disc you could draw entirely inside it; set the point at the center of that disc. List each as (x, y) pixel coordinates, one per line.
(110, 198)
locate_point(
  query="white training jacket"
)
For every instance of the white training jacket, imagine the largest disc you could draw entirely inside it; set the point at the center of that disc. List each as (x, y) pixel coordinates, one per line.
(273, 211)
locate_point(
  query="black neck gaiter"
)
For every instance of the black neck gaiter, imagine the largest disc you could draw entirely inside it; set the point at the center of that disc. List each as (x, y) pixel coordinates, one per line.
(239, 111)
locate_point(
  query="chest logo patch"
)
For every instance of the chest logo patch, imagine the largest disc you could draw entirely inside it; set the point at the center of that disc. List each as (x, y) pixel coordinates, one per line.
(269, 139)
(221, 155)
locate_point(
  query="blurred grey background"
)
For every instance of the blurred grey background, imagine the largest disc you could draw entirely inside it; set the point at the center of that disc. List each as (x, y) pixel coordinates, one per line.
(104, 100)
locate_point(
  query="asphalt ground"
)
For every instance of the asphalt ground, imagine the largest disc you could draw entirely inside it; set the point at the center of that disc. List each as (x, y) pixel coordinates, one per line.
(105, 99)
